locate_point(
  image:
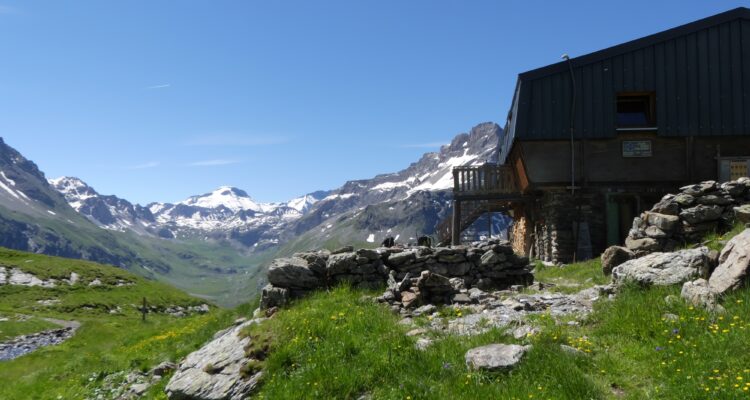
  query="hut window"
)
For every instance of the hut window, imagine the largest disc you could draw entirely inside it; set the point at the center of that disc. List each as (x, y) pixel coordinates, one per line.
(636, 110)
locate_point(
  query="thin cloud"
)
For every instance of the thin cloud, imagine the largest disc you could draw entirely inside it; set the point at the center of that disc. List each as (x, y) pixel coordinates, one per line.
(162, 86)
(150, 164)
(235, 140)
(213, 163)
(423, 145)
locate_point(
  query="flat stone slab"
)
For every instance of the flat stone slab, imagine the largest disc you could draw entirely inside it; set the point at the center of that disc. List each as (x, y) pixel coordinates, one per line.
(495, 357)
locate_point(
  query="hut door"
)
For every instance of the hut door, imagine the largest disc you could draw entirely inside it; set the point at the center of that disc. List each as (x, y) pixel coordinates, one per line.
(621, 209)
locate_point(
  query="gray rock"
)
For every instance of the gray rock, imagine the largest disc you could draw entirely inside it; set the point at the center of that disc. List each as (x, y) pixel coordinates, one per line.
(701, 213)
(734, 265)
(434, 282)
(341, 263)
(712, 199)
(458, 284)
(495, 357)
(663, 268)
(614, 256)
(292, 273)
(700, 188)
(742, 213)
(684, 200)
(698, 293)
(663, 221)
(656, 233)
(644, 245)
(213, 371)
(667, 206)
(345, 249)
(492, 258)
(461, 298)
(370, 254)
(425, 310)
(402, 258)
(423, 343)
(272, 296)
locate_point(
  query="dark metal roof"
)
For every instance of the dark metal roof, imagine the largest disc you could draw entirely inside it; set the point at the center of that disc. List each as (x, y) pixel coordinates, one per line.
(699, 72)
(718, 19)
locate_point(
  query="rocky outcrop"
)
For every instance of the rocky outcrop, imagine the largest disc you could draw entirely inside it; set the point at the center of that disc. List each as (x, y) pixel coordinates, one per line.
(687, 216)
(214, 372)
(413, 275)
(734, 265)
(663, 269)
(495, 357)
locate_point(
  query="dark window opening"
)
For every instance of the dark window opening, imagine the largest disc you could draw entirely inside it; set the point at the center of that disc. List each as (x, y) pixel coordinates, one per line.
(636, 110)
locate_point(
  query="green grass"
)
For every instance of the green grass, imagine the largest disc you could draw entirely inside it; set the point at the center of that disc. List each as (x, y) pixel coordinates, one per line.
(716, 240)
(17, 325)
(644, 344)
(105, 343)
(572, 278)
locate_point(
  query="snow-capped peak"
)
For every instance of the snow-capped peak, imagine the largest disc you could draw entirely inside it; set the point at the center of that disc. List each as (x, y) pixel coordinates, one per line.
(228, 196)
(302, 204)
(73, 188)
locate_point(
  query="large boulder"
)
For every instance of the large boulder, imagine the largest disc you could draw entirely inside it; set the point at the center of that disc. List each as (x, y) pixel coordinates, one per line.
(495, 357)
(734, 264)
(663, 269)
(614, 256)
(292, 273)
(214, 371)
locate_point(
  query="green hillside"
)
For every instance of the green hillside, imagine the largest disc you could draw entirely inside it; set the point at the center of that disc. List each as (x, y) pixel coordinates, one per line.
(111, 339)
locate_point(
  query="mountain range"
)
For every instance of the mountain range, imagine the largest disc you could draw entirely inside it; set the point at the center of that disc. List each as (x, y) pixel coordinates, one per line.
(207, 240)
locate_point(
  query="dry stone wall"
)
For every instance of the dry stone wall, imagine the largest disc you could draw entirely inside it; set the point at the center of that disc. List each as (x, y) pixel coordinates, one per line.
(413, 275)
(687, 216)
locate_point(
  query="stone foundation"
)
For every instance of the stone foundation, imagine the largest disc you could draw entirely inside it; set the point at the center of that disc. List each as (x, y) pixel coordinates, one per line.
(557, 217)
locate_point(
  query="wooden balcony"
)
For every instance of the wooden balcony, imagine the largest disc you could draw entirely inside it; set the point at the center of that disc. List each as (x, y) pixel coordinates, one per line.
(484, 182)
(478, 190)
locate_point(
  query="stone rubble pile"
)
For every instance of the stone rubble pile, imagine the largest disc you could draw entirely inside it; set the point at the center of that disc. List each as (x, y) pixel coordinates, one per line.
(413, 275)
(687, 216)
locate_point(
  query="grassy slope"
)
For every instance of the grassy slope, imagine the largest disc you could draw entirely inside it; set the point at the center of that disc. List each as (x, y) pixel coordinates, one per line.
(336, 345)
(105, 342)
(202, 268)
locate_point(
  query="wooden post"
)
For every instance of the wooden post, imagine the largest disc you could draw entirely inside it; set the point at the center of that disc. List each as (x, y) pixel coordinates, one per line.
(144, 310)
(456, 224)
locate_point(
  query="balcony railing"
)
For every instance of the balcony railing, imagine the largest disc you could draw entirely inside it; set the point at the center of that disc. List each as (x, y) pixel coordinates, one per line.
(482, 180)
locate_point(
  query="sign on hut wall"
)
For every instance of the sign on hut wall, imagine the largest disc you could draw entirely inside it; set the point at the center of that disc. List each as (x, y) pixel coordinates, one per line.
(636, 148)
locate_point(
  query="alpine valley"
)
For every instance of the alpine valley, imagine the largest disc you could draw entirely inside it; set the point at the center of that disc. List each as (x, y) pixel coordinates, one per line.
(215, 245)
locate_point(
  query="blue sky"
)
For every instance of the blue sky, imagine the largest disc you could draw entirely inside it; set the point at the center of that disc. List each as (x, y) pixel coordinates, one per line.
(159, 100)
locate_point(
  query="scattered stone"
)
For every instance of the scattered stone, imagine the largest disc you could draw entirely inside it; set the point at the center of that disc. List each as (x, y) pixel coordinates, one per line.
(495, 357)
(423, 343)
(699, 294)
